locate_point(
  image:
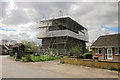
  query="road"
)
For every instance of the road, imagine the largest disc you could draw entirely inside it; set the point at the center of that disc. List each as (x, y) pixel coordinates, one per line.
(50, 69)
(0, 67)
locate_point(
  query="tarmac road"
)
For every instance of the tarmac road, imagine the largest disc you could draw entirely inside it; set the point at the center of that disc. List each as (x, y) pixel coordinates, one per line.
(50, 69)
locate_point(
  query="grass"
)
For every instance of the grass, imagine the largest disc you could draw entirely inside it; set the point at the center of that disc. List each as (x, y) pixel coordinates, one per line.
(66, 56)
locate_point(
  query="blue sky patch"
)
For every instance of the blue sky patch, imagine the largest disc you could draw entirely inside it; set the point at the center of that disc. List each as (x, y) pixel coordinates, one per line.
(114, 29)
(2, 29)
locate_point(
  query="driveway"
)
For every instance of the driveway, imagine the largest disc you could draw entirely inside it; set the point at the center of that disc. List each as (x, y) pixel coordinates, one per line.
(50, 69)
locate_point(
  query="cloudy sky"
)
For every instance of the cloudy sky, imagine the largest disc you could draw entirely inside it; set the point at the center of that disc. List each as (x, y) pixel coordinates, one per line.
(20, 20)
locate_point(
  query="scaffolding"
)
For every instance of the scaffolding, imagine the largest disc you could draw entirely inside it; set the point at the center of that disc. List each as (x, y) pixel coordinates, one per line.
(56, 32)
(59, 33)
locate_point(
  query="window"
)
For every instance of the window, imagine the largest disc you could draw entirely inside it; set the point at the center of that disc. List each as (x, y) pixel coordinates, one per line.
(117, 51)
(98, 50)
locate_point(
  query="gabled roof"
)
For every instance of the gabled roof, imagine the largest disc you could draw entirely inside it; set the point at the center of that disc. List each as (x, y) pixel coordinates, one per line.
(18, 45)
(5, 46)
(107, 41)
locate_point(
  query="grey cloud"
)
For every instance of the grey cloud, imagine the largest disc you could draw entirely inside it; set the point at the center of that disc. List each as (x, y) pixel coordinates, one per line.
(43, 9)
(4, 36)
(3, 9)
(89, 14)
(87, 11)
(99, 14)
(17, 17)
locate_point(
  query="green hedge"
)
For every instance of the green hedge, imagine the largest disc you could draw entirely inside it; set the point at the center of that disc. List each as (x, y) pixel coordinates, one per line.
(87, 55)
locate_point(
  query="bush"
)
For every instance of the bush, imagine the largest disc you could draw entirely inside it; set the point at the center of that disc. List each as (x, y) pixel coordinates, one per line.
(27, 58)
(20, 55)
(81, 56)
(76, 50)
(87, 55)
(24, 59)
(34, 58)
(29, 51)
(57, 57)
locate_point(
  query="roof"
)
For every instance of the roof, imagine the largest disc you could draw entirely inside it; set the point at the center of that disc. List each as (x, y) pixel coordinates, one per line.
(107, 41)
(5, 46)
(18, 45)
(54, 18)
(62, 17)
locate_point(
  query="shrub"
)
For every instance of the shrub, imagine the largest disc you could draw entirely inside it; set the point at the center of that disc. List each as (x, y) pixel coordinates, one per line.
(20, 55)
(76, 50)
(87, 55)
(43, 58)
(24, 59)
(57, 57)
(81, 56)
(27, 58)
(48, 58)
(35, 58)
(29, 51)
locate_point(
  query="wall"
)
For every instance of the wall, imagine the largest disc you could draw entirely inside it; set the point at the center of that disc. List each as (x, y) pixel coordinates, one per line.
(116, 57)
(102, 56)
(91, 63)
(62, 42)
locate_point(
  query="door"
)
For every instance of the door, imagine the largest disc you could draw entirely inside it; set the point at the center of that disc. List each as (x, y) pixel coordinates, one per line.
(109, 53)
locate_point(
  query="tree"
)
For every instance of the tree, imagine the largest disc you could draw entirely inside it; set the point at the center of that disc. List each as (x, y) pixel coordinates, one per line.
(31, 46)
(76, 50)
(25, 43)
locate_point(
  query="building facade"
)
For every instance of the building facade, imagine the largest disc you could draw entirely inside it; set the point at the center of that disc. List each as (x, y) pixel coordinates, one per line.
(62, 33)
(107, 47)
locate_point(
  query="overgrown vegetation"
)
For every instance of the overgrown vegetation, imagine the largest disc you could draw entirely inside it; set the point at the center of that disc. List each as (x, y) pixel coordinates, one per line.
(76, 50)
(30, 46)
(87, 55)
(31, 53)
(33, 58)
